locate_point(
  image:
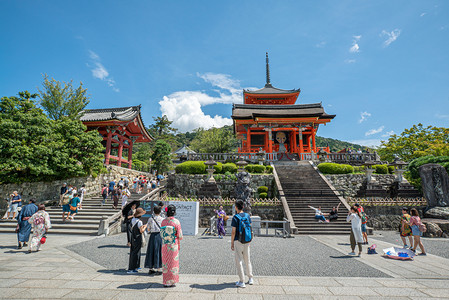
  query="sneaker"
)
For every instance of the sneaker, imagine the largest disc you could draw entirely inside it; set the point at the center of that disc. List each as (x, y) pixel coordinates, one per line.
(351, 253)
(251, 281)
(240, 284)
(151, 272)
(405, 246)
(423, 254)
(131, 272)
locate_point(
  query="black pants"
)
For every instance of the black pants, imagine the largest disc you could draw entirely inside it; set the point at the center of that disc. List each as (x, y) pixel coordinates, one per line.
(134, 253)
(128, 231)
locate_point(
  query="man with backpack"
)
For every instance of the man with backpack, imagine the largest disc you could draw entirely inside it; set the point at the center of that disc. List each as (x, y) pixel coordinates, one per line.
(240, 241)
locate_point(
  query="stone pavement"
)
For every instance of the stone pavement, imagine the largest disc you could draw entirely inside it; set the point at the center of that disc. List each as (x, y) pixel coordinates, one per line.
(58, 273)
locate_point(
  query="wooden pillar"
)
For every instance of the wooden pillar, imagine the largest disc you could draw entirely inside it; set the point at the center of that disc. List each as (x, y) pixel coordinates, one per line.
(270, 141)
(248, 140)
(120, 150)
(108, 148)
(130, 153)
(301, 146)
(294, 150)
(313, 140)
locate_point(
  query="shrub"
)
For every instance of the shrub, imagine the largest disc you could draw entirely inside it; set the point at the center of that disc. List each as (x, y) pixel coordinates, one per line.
(381, 169)
(269, 169)
(332, 168)
(259, 169)
(359, 169)
(262, 189)
(228, 173)
(191, 167)
(416, 163)
(391, 169)
(218, 168)
(263, 195)
(229, 167)
(249, 168)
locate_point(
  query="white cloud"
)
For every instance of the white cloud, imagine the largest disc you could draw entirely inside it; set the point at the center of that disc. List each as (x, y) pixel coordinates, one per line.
(184, 108)
(391, 36)
(440, 116)
(423, 14)
(367, 142)
(363, 116)
(350, 61)
(388, 133)
(374, 131)
(355, 45)
(321, 44)
(100, 72)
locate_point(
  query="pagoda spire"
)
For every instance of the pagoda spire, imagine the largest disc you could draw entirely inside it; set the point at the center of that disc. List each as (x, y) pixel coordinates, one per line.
(268, 84)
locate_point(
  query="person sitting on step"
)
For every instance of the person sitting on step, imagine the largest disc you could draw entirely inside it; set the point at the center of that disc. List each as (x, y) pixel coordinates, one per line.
(319, 214)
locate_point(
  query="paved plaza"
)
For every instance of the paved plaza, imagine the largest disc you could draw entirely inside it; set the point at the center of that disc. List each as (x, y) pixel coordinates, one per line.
(316, 267)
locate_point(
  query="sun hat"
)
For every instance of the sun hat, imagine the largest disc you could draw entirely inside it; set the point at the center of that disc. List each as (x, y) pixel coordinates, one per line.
(139, 212)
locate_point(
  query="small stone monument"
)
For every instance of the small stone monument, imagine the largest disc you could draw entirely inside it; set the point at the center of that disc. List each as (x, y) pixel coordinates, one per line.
(209, 188)
(242, 190)
(435, 185)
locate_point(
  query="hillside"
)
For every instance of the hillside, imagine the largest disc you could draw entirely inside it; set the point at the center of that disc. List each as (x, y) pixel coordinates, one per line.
(336, 145)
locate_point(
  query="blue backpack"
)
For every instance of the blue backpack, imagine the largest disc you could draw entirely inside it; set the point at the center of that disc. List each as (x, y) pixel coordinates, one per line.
(245, 230)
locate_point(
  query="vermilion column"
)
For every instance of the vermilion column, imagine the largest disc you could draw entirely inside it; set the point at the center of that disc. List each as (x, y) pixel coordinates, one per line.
(248, 141)
(108, 148)
(130, 153)
(313, 140)
(120, 151)
(270, 141)
(301, 146)
(294, 141)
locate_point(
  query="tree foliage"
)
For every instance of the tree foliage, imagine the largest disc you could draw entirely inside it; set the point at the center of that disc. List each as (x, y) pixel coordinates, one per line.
(214, 140)
(61, 99)
(161, 156)
(416, 142)
(35, 148)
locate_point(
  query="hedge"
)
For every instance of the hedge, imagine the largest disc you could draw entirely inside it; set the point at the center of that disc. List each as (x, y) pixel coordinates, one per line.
(218, 168)
(229, 167)
(263, 195)
(381, 169)
(269, 169)
(332, 168)
(191, 167)
(429, 159)
(262, 189)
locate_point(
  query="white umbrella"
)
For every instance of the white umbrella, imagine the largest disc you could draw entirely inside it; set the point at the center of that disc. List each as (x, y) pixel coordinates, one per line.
(399, 253)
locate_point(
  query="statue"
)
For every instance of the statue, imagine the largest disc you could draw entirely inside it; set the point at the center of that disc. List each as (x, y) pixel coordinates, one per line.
(281, 138)
(435, 185)
(243, 191)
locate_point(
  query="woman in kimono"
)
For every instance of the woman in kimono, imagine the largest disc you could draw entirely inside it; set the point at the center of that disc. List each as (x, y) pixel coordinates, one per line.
(171, 234)
(23, 227)
(40, 222)
(136, 241)
(356, 236)
(221, 214)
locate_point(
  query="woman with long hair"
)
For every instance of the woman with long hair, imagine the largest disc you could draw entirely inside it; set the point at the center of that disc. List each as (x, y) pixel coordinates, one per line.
(171, 234)
(415, 223)
(356, 236)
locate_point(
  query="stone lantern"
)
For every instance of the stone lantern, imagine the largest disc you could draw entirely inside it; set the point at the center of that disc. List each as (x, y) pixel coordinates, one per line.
(260, 156)
(241, 165)
(210, 169)
(369, 170)
(399, 169)
(322, 155)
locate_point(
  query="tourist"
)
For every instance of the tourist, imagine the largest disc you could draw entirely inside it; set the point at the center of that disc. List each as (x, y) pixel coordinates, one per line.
(125, 194)
(121, 183)
(111, 188)
(153, 259)
(142, 184)
(319, 214)
(126, 180)
(364, 221)
(23, 227)
(161, 205)
(104, 193)
(62, 193)
(66, 204)
(242, 251)
(333, 215)
(135, 181)
(116, 194)
(136, 241)
(356, 237)
(148, 185)
(405, 229)
(171, 234)
(73, 207)
(81, 195)
(40, 222)
(221, 215)
(415, 223)
(128, 214)
(153, 184)
(16, 202)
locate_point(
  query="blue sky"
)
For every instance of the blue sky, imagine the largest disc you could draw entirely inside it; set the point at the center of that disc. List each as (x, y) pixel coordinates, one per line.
(380, 66)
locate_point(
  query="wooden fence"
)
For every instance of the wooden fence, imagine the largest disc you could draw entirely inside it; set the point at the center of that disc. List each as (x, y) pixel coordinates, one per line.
(226, 201)
(387, 201)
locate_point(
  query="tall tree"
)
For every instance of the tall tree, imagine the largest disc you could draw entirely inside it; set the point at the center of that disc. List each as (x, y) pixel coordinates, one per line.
(161, 156)
(416, 142)
(214, 140)
(61, 99)
(162, 129)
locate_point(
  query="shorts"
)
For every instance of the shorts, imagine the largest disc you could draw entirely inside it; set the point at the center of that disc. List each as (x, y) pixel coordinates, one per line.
(407, 233)
(364, 227)
(416, 231)
(13, 208)
(66, 208)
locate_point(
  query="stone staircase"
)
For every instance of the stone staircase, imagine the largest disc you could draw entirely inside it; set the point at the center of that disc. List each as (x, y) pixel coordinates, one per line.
(303, 186)
(86, 221)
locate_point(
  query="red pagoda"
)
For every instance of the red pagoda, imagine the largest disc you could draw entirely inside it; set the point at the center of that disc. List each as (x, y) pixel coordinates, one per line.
(269, 120)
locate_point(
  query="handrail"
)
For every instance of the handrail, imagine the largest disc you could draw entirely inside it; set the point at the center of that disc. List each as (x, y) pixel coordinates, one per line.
(287, 211)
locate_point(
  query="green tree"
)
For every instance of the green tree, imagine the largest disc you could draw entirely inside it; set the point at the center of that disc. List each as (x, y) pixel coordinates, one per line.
(162, 130)
(214, 140)
(61, 99)
(161, 156)
(416, 142)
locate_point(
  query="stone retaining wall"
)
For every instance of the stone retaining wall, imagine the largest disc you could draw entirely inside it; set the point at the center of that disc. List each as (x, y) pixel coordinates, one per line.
(351, 183)
(188, 185)
(43, 191)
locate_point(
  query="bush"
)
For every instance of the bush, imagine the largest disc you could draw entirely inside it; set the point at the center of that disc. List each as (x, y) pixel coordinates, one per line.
(269, 169)
(381, 169)
(249, 168)
(262, 189)
(263, 195)
(259, 169)
(228, 173)
(191, 167)
(359, 169)
(429, 159)
(391, 169)
(218, 168)
(229, 167)
(332, 168)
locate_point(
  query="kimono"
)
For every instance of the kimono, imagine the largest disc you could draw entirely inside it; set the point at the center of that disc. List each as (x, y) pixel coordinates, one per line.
(170, 251)
(220, 222)
(23, 235)
(40, 222)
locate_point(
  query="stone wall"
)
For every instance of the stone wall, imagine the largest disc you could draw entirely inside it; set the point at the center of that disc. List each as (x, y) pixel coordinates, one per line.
(188, 185)
(351, 183)
(43, 191)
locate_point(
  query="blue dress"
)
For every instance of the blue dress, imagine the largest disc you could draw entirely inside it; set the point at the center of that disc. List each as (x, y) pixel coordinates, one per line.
(24, 226)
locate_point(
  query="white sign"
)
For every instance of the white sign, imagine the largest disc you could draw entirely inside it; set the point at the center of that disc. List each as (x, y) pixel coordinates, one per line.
(188, 214)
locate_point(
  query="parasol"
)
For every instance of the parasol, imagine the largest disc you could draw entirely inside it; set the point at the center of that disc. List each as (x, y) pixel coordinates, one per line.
(127, 207)
(399, 253)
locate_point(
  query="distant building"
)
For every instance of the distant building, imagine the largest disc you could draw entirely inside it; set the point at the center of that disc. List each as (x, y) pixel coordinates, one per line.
(183, 152)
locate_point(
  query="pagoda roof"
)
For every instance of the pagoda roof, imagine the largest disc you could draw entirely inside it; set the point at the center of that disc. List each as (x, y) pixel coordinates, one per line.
(117, 116)
(269, 89)
(250, 111)
(184, 150)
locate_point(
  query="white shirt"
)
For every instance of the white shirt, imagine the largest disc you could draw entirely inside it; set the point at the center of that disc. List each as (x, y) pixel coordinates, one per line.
(356, 222)
(136, 220)
(317, 211)
(152, 227)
